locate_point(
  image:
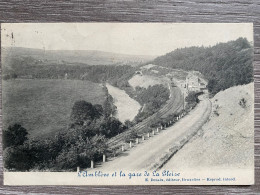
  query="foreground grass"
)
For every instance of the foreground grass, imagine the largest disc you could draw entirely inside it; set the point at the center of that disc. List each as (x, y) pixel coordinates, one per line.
(43, 107)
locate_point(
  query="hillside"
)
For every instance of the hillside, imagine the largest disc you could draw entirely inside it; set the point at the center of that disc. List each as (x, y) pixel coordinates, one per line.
(227, 139)
(90, 57)
(223, 65)
(43, 107)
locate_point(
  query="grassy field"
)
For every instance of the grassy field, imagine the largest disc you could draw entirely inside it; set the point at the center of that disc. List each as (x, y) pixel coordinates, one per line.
(43, 107)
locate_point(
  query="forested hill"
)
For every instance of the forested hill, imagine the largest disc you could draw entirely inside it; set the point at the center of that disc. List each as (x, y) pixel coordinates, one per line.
(224, 65)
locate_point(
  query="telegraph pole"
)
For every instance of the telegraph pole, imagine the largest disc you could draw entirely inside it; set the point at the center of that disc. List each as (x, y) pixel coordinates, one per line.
(183, 101)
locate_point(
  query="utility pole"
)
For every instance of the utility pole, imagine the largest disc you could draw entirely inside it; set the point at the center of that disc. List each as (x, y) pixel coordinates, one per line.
(183, 101)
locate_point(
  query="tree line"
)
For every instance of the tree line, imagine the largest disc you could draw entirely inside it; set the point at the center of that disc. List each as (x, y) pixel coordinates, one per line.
(24, 67)
(151, 99)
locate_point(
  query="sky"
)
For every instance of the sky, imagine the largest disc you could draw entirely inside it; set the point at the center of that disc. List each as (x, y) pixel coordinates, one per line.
(127, 38)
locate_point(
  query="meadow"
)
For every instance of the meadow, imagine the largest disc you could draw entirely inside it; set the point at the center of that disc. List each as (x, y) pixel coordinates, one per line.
(43, 107)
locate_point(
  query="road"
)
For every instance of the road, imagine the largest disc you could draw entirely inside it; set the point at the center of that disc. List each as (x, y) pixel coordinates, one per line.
(144, 154)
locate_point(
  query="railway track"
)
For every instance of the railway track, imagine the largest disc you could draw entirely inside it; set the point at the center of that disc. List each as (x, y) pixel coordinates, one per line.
(174, 104)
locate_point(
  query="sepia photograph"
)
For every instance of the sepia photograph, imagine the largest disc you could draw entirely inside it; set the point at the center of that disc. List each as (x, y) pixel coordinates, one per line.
(127, 103)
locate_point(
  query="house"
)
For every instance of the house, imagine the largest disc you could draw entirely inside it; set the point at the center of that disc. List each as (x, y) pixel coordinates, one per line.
(193, 83)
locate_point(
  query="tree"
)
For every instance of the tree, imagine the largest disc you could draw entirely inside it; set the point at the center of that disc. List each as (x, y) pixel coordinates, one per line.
(83, 111)
(128, 123)
(192, 98)
(68, 159)
(17, 158)
(98, 110)
(132, 136)
(211, 85)
(14, 136)
(111, 127)
(81, 152)
(109, 107)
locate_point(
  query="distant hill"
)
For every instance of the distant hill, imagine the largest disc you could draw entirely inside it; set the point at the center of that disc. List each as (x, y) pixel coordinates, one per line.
(90, 57)
(223, 65)
(18, 64)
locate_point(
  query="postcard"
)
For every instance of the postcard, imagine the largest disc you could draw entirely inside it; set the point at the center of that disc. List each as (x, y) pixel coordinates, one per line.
(127, 103)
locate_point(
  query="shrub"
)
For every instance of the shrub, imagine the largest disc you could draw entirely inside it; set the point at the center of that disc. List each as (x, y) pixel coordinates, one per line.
(216, 113)
(131, 137)
(242, 103)
(15, 135)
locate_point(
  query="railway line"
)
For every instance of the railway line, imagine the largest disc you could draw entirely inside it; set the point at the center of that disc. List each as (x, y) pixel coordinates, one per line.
(174, 104)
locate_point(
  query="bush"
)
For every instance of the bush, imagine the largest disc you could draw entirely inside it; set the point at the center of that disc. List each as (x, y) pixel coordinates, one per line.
(242, 103)
(15, 135)
(131, 137)
(83, 111)
(216, 113)
(16, 158)
(192, 98)
(111, 127)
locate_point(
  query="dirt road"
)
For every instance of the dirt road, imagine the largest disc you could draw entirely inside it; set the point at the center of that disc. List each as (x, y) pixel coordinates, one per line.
(141, 156)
